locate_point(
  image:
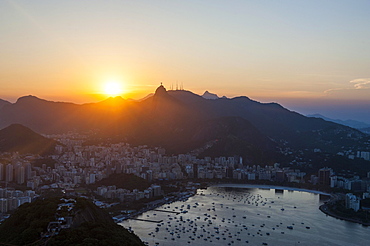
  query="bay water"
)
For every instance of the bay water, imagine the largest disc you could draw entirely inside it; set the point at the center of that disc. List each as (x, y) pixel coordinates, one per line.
(234, 214)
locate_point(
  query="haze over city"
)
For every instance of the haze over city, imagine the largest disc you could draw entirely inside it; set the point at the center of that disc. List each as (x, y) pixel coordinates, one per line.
(309, 56)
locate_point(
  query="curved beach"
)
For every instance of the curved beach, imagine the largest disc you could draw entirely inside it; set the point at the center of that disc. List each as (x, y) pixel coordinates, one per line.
(256, 186)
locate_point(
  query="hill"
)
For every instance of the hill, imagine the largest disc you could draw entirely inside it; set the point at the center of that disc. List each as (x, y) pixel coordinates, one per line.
(18, 138)
(89, 225)
(124, 181)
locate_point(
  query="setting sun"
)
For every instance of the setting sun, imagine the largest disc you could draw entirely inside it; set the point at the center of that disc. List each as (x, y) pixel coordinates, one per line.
(113, 88)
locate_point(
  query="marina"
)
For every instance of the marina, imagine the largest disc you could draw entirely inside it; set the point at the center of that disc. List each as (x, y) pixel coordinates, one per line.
(247, 216)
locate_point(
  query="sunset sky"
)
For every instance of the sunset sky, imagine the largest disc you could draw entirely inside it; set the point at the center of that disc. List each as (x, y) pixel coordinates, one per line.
(310, 56)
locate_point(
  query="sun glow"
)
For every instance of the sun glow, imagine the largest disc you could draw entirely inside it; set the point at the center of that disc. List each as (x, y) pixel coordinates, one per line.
(113, 88)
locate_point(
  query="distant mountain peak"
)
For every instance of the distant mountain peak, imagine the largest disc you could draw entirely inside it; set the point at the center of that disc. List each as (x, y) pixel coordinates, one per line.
(29, 98)
(113, 102)
(114, 99)
(208, 95)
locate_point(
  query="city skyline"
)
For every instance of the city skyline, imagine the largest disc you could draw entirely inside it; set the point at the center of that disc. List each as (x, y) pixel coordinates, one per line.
(311, 57)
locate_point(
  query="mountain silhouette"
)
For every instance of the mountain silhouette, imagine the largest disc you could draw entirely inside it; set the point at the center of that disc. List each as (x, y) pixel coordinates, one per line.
(351, 123)
(3, 103)
(18, 138)
(208, 95)
(182, 121)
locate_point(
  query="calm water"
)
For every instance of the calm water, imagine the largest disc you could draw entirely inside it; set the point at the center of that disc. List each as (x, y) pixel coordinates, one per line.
(237, 215)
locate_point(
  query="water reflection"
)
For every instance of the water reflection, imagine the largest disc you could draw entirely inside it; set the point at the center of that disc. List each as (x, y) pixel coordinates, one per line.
(279, 191)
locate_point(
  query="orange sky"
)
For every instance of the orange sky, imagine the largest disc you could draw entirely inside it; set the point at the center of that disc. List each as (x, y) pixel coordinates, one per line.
(303, 50)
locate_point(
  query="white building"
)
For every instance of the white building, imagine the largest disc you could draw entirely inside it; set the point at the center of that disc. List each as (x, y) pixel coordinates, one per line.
(352, 201)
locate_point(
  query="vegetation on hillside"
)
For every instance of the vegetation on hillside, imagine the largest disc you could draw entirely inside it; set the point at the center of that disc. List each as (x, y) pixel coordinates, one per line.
(95, 233)
(124, 181)
(90, 226)
(28, 222)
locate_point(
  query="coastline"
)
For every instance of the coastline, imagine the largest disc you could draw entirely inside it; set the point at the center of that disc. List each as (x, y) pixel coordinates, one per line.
(183, 197)
(190, 194)
(325, 209)
(271, 187)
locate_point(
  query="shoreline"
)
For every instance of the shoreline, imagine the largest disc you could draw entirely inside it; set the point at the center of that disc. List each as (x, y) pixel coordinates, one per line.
(184, 197)
(256, 186)
(189, 194)
(324, 208)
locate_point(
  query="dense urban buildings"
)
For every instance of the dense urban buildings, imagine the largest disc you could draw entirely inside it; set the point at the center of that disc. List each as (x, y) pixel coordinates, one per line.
(75, 164)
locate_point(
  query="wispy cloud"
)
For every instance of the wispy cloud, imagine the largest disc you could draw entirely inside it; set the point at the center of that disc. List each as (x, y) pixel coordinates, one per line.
(335, 89)
(363, 83)
(357, 84)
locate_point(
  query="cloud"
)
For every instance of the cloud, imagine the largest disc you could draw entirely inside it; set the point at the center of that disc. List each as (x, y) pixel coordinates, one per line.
(334, 89)
(359, 84)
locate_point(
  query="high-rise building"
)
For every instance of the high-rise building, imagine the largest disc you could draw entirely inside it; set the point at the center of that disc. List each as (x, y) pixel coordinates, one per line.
(9, 173)
(1, 171)
(28, 170)
(21, 174)
(324, 175)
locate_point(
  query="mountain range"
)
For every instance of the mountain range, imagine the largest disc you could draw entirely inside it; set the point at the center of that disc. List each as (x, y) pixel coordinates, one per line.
(351, 123)
(182, 121)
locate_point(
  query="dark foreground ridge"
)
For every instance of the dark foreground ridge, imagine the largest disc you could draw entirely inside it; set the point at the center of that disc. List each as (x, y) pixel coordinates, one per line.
(56, 221)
